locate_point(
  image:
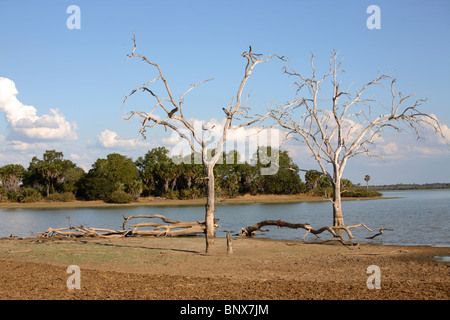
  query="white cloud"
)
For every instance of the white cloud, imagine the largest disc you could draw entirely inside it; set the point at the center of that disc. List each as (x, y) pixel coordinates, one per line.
(15, 151)
(245, 140)
(16, 145)
(75, 156)
(111, 140)
(24, 121)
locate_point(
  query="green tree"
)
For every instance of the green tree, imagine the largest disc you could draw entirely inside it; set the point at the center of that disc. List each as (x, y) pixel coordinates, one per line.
(117, 168)
(108, 175)
(135, 188)
(70, 178)
(50, 173)
(11, 176)
(191, 176)
(248, 178)
(227, 179)
(94, 187)
(157, 170)
(286, 180)
(312, 179)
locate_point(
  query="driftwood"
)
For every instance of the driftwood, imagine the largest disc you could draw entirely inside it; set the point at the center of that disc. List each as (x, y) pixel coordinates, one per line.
(81, 232)
(183, 228)
(171, 229)
(380, 232)
(251, 230)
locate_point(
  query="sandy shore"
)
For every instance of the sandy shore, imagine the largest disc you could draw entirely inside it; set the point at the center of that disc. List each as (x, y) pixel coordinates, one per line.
(258, 269)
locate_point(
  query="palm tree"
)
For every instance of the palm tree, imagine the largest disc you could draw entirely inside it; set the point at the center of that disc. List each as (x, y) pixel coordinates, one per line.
(367, 178)
(11, 176)
(312, 179)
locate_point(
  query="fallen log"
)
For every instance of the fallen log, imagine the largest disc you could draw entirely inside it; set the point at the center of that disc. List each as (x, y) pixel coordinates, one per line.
(82, 232)
(251, 230)
(171, 229)
(184, 228)
(380, 232)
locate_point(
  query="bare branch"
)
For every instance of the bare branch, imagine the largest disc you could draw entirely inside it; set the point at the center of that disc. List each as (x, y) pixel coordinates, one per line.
(175, 120)
(347, 128)
(181, 101)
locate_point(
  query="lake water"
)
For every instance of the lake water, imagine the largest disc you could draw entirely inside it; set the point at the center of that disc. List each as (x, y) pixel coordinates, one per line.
(419, 217)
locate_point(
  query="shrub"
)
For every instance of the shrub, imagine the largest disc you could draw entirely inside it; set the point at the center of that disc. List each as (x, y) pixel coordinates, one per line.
(12, 196)
(170, 194)
(3, 195)
(30, 195)
(119, 196)
(361, 192)
(61, 197)
(192, 193)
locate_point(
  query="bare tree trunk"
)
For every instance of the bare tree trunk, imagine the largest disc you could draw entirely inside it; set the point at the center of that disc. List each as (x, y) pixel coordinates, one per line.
(209, 215)
(189, 182)
(166, 185)
(338, 219)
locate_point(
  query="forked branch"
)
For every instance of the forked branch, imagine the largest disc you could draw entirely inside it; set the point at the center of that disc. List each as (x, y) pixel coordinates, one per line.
(251, 230)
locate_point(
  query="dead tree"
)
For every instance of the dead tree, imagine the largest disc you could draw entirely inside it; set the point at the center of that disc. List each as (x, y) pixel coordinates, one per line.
(251, 230)
(168, 112)
(380, 232)
(172, 228)
(349, 126)
(82, 232)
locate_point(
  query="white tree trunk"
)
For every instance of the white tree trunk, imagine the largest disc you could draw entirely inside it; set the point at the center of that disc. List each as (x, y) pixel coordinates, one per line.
(338, 218)
(209, 214)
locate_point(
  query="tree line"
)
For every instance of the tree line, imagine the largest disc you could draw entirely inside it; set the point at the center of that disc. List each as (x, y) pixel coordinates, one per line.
(413, 186)
(119, 179)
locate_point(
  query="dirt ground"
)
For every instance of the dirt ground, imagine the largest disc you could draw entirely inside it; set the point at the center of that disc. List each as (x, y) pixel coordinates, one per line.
(178, 269)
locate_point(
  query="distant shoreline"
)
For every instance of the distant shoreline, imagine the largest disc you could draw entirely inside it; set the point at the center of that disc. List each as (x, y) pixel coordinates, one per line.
(156, 201)
(411, 186)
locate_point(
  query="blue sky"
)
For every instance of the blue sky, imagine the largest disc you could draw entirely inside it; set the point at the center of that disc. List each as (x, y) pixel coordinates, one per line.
(73, 81)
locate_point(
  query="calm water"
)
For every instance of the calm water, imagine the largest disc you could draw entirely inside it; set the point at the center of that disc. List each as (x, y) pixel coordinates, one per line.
(418, 217)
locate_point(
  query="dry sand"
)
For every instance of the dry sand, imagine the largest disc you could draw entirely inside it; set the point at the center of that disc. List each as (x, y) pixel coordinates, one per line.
(258, 269)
